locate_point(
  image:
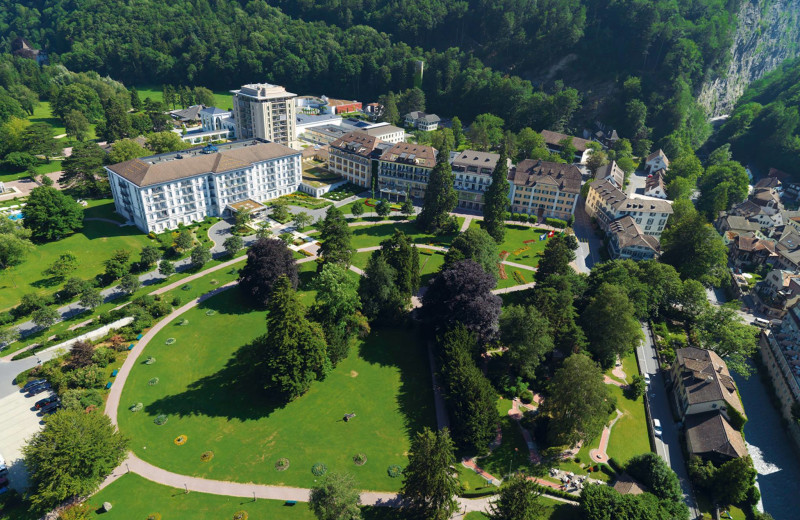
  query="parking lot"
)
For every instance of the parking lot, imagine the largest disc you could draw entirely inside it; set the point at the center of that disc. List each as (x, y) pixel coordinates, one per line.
(19, 422)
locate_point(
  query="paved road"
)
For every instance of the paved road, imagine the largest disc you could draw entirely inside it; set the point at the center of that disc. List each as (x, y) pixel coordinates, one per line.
(668, 446)
(20, 422)
(588, 253)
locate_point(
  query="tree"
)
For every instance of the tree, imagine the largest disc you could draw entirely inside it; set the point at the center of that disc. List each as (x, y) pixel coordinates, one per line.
(411, 100)
(390, 113)
(428, 481)
(203, 96)
(440, 196)
(165, 268)
(263, 230)
(597, 159)
(496, 200)
(337, 309)
(63, 265)
(462, 294)
(136, 102)
(407, 208)
(168, 93)
(116, 124)
(656, 475)
(129, 283)
(117, 266)
(610, 324)
(458, 132)
(680, 188)
(13, 249)
(232, 245)
(402, 255)
(380, 296)
(555, 259)
(162, 142)
(301, 220)
(531, 145)
(45, 317)
(528, 337)
(51, 214)
(693, 247)
(125, 150)
(518, 500)
(200, 256)
(90, 297)
(149, 255)
(8, 335)
(241, 219)
(293, 351)
(486, 132)
(76, 125)
(184, 240)
(83, 169)
(722, 330)
(38, 139)
(636, 388)
(357, 209)
(335, 238)
(383, 208)
(71, 456)
(722, 186)
(576, 402)
(280, 212)
(267, 261)
(473, 244)
(471, 400)
(336, 498)
(733, 480)
(568, 150)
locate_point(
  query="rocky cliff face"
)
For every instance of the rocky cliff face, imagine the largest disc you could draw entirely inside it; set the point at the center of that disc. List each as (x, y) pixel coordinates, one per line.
(768, 33)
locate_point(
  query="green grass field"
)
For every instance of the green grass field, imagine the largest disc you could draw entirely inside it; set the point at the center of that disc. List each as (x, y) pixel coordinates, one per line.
(512, 454)
(520, 252)
(222, 98)
(94, 244)
(43, 114)
(385, 381)
(629, 435)
(368, 236)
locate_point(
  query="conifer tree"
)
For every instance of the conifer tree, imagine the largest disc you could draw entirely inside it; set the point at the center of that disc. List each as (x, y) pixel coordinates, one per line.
(428, 481)
(440, 196)
(496, 200)
(335, 238)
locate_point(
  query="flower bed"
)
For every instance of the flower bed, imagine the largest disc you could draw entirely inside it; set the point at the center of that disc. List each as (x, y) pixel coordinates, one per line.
(521, 250)
(150, 360)
(180, 440)
(160, 420)
(519, 277)
(502, 270)
(319, 469)
(206, 456)
(153, 381)
(136, 407)
(282, 464)
(394, 471)
(359, 459)
(170, 341)
(210, 312)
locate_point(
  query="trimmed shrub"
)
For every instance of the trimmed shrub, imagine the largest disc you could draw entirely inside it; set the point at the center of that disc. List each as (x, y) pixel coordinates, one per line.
(319, 469)
(360, 459)
(394, 471)
(150, 360)
(608, 470)
(526, 397)
(170, 341)
(153, 381)
(615, 465)
(136, 407)
(176, 301)
(556, 222)
(206, 456)
(210, 312)
(282, 464)
(160, 420)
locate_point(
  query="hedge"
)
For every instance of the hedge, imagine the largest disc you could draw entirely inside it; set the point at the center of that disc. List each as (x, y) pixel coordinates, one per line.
(547, 490)
(556, 222)
(615, 465)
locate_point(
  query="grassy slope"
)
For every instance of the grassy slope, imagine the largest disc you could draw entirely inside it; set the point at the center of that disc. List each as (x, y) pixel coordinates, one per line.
(381, 381)
(222, 98)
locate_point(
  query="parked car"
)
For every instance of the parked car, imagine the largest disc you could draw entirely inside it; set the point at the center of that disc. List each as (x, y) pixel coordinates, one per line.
(3, 467)
(50, 408)
(47, 400)
(657, 430)
(647, 379)
(33, 383)
(36, 390)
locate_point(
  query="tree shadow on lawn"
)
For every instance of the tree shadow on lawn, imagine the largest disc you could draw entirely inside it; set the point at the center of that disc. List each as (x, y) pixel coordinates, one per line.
(403, 348)
(94, 230)
(385, 231)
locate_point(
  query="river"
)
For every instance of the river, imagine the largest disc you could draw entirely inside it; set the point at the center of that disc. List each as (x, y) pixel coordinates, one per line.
(778, 465)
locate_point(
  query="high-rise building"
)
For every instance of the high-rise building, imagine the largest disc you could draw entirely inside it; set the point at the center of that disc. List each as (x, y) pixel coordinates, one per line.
(265, 111)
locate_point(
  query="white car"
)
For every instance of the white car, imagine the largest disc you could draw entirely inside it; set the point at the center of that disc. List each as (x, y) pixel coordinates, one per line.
(647, 379)
(657, 428)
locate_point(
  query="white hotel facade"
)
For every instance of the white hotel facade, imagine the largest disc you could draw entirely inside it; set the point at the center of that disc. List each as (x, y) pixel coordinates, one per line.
(159, 192)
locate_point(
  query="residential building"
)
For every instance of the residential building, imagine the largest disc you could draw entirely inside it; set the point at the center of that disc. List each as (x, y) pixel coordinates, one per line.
(160, 192)
(654, 185)
(788, 249)
(473, 176)
(702, 383)
(746, 250)
(736, 224)
(553, 142)
(544, 189)
(325, 134)
(404, 170)
(611, 172)
(352, 155)
(606, 203)
(776, 293)
(23, 48)
(265, 111)
(656, 161)
(711, 437)
(627, 240)
(422, 121)
(342, 106)
(215, 125)
(387, 133)
(780, 353)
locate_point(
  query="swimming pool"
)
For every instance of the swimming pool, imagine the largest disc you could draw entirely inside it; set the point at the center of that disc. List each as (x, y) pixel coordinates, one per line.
(16, 216)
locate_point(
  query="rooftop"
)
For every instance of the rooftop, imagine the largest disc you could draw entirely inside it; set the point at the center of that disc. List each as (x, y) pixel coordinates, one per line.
(263, 91)
(188, 114)
(658, 153)
(357, 142)
(411, 153)
(611, 171)
(615, 198)
(172, 166)
(706, 377)
(567, 177)
(627, 485)
(711, 433)
(422, 116)
(629, 234)
(380, 130)
(214, 110)
(554, 138)
(306, 119)
(477, 159)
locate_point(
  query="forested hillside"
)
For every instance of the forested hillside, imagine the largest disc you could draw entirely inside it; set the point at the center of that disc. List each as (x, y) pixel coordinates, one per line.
(316, 46)
(765, 125)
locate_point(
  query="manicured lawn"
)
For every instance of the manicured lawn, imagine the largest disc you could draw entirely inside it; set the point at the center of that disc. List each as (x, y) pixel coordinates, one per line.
(519, 251)
(512, 454)
(475, 516)
(43, 114)
(629, 435)
(222, 98)
(103, 209)
(133, 496)
(368, 236)
(385, 381)
(94, 244)
(45, 167)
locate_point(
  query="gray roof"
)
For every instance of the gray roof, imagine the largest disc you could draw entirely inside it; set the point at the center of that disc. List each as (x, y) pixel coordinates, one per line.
(706, 378)
(629, 234)
(789, 245)
(188, 114)
(710, 433)
(378, 131)
(615, 198)
(567, 177)
(611, 171)
(214, 111)
(330, 130)
(479, 160)
(554, 138)
(305, 119)
(422, 116)
(156, 169)
(356, 142)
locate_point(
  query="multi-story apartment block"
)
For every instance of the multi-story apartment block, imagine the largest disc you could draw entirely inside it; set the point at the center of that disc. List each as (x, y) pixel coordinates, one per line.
(266, 112)
(607, 203)
(404, 170)
(161, 191)
(544, 189)
(626, 240)
(352, 155)
(473, 174)
(386, 132)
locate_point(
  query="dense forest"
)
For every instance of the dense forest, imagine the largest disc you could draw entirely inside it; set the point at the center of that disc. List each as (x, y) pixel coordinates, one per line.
(765, 125)
(651, 56)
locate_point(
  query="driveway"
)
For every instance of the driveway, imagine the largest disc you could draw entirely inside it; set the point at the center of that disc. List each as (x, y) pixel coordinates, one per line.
(636, 183)
(588, 253)
(668, 446)
(20, 422)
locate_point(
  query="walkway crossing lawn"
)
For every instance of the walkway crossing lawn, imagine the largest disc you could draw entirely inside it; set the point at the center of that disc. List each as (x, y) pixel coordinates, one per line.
(368, 236)
(132, 496)
(208, 396)
(518, 250)
(629, 435)
(94, 244)
(512, 452)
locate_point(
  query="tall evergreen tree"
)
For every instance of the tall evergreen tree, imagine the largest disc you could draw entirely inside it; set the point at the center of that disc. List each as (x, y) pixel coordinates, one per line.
(440, 196)
(293, 350)
(403, 256)
(555, 259)
(117, 124)
(428, 481)
(527, 334)
(337, 309)
(378, 290)
(458, 132)
(390, 112)
(83, 169)
(335, 238)
(336, 498)
(496, 200)
(473, 244)
(518, 500)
